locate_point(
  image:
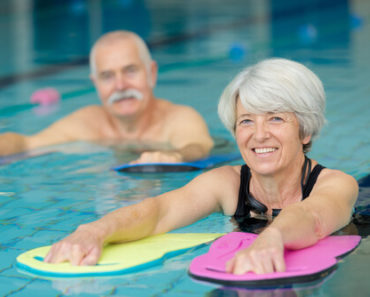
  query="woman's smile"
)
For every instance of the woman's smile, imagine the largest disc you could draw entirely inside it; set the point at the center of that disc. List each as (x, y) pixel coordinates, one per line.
(264, 150)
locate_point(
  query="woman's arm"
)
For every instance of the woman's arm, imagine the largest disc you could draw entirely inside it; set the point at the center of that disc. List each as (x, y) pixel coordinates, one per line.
(301, 224)
(83, 247)
(326, 210)
(175, 209)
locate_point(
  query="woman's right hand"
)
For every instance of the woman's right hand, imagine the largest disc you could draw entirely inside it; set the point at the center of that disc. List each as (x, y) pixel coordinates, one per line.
(82, 247)
(264, 255)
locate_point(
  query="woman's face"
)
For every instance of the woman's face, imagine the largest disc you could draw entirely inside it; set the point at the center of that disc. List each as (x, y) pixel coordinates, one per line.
(268, 142)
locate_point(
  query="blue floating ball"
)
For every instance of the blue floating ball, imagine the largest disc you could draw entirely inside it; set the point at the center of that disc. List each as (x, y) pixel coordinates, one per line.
(357, 22)
(237, 52)
(307, 34)
(126, 3)
(78, 7)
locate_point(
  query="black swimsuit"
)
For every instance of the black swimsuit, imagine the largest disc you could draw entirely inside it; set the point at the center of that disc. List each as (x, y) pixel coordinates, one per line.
(247, 203)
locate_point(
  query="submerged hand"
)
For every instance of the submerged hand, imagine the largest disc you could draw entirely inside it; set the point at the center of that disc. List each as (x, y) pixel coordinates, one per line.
(80, 248)
(158, 157)
(265, 255)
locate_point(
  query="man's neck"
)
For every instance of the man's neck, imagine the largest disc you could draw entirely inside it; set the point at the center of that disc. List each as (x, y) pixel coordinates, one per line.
(135, 126)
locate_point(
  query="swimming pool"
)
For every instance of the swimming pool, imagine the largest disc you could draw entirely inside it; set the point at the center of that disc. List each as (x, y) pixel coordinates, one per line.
(200, 46)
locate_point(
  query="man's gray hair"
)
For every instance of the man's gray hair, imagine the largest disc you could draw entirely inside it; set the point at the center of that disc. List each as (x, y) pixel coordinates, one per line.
(113, 36)
(277, 85)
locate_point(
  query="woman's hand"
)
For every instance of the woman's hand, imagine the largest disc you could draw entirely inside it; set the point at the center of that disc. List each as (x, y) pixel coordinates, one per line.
(265, 255)
(82, 247)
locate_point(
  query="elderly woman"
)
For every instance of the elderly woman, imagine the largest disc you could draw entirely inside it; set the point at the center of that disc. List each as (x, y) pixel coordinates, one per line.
(275, 109)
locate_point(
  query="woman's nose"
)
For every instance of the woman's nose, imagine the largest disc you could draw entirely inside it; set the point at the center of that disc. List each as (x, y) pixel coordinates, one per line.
(261, 131)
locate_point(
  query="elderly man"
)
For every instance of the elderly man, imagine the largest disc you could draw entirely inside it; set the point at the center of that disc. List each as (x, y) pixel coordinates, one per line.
(124, 75)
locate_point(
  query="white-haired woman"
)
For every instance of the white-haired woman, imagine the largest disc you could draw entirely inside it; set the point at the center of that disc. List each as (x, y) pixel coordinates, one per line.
(274, 108)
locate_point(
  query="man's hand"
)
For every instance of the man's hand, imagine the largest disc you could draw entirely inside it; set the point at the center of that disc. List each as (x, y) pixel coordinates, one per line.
(265, 255)
(12, 143)
(159, 157)
(83, 247)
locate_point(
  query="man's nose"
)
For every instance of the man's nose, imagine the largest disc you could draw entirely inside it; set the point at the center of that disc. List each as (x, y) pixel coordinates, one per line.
(120, 82)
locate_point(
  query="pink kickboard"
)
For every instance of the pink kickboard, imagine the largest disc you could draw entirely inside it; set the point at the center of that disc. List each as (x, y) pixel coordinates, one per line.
(302, 265)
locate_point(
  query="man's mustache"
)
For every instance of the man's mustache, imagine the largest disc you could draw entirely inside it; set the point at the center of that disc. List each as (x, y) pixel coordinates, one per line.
(121, 95)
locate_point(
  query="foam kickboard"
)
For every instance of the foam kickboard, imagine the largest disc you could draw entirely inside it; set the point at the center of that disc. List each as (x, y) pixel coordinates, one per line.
(205, 163)
(117, 259)
(303, 265)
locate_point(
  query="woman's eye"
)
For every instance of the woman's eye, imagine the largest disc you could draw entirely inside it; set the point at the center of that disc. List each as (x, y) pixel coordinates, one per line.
(276, 119)
(245, 122)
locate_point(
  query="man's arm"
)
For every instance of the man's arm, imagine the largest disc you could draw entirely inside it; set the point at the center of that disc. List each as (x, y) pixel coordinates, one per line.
(12, 143)
(190, 135)
(187, 153)
(76, 126)
(187, 133)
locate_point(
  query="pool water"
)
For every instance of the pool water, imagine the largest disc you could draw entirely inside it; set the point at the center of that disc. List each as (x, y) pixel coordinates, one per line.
(200, 46)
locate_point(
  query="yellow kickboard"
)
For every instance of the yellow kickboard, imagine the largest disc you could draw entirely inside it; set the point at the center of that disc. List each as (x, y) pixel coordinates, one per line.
(117, 258)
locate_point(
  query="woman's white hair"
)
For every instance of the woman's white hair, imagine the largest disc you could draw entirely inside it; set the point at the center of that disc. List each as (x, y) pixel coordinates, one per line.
(277, 85)
(114, 36)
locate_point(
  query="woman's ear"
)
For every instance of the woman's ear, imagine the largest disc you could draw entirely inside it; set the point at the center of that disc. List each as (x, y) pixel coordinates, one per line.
(306, 139)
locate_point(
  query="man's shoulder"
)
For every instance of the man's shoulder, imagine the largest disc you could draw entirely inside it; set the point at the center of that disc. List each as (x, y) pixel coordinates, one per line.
(89, 109)
(89, 112)
(83, 124)
(174, 109)
(89, 115)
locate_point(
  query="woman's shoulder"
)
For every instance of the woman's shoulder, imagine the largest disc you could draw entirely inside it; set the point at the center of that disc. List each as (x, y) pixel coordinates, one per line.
(227, 171)
(334, 178)
(223, 183)
(220, 179)
(336, 175)
(329, 173)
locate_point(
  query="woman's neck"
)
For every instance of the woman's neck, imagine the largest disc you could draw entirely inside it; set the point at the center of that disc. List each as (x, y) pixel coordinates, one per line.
(280, 189)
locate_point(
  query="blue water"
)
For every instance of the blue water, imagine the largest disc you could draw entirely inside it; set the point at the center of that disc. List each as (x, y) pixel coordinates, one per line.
(200, 46)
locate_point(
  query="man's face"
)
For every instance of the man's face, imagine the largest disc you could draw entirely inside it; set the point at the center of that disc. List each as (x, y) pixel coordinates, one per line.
(122, 80)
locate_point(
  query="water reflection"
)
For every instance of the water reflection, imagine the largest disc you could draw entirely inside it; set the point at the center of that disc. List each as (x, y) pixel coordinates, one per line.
(235, 292)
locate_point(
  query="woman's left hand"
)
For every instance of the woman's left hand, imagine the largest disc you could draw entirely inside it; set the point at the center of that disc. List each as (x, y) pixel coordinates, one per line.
(265, 255)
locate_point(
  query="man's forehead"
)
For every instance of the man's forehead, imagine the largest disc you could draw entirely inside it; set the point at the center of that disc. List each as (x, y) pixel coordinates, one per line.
(126, 45)
(117, 56)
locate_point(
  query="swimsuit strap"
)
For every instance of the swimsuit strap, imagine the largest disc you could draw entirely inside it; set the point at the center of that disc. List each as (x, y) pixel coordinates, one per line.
(247, 203)
(305, 177)
(311, 180)
(244, 182)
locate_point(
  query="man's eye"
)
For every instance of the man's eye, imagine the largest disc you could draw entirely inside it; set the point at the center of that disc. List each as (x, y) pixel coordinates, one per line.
(131, 69)
(106, 76)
